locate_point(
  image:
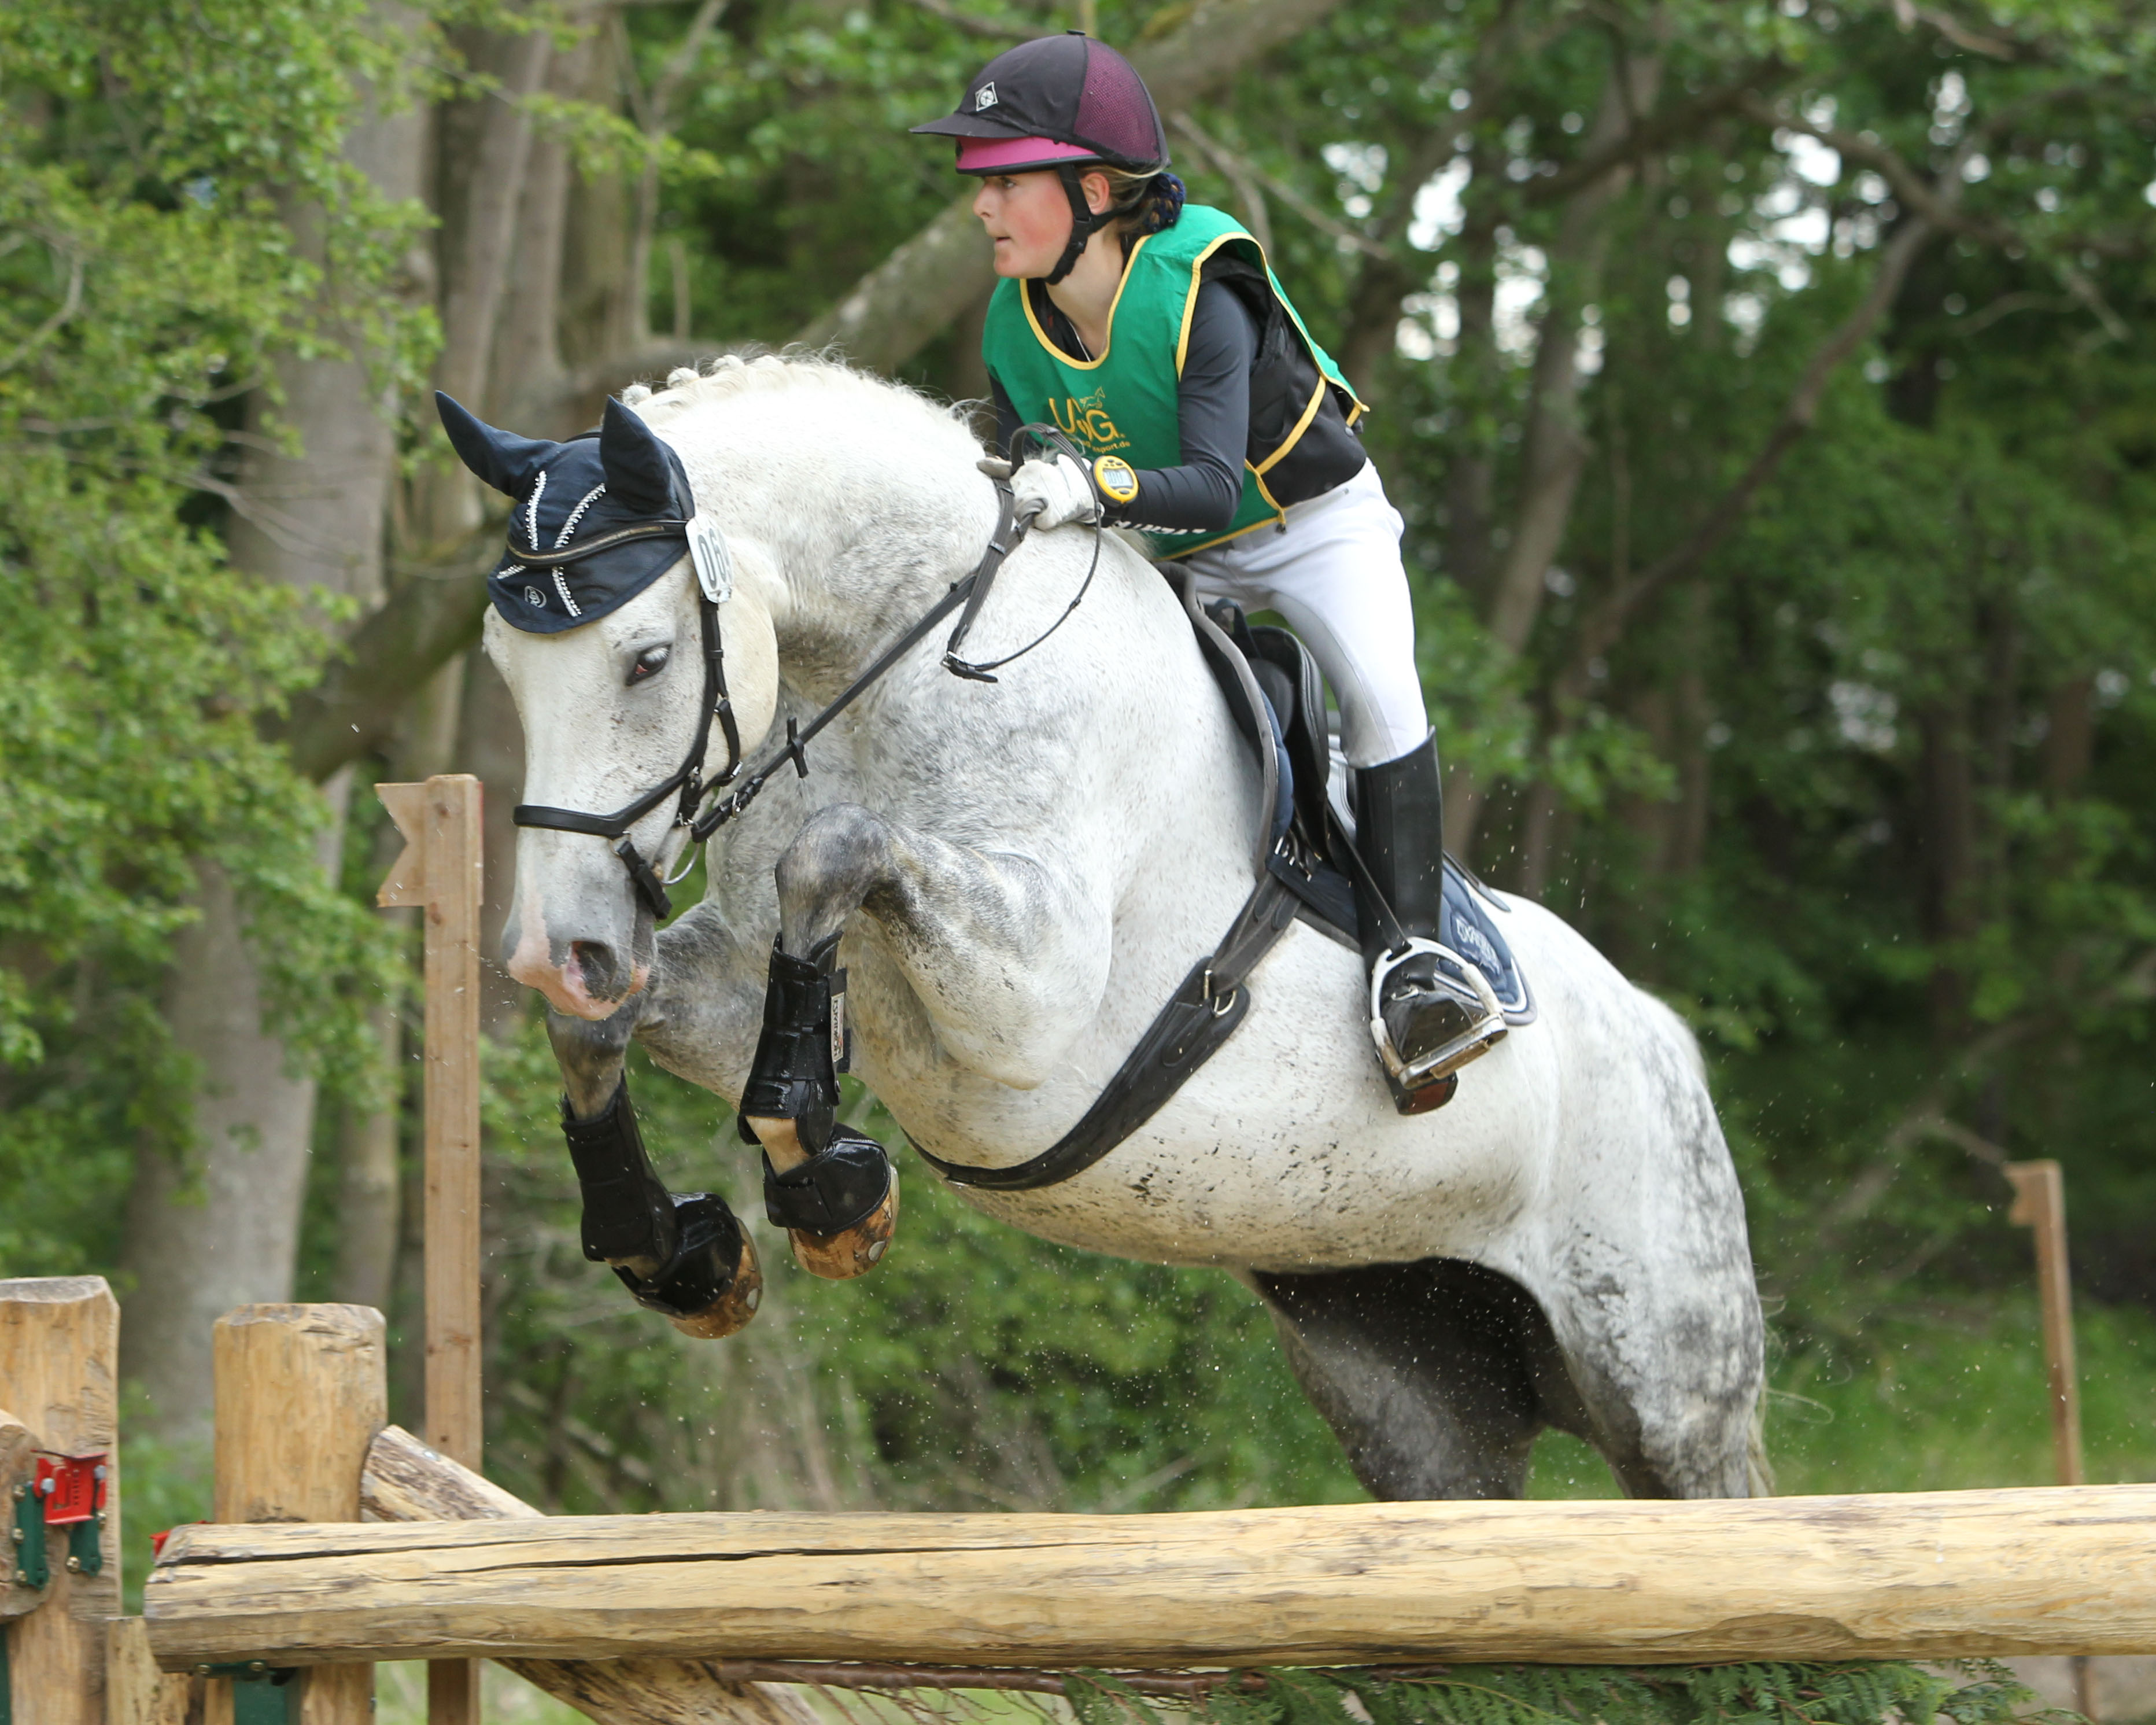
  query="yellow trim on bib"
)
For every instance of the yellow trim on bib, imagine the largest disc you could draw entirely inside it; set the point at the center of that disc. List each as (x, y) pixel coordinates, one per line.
(1302, 425)
(1190, 296)
(1025, 299)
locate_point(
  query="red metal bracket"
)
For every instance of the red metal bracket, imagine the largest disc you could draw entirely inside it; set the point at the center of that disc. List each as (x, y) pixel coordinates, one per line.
(71, 1488)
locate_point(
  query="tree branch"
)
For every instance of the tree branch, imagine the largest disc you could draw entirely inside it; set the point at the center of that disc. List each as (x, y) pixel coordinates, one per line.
(1249, 189)
(1906, 16)
(1240, 170)
(900, 306)
(1909, 187)
(1665, 127)
(1605, 623)
(986, 28)
(428, 621)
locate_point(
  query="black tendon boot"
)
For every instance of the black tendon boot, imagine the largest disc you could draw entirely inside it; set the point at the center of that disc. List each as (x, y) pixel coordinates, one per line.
(681, 1254)
(1431, 1012)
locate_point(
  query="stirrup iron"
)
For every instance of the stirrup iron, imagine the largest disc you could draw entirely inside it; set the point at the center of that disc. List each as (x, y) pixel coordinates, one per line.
(1467, 985)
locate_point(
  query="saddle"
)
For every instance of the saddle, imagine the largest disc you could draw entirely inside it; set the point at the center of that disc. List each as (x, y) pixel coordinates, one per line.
(1312, 815)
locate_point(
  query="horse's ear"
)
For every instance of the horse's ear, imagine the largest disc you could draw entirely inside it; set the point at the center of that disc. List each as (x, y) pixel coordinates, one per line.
(502, 458)
(638, 476)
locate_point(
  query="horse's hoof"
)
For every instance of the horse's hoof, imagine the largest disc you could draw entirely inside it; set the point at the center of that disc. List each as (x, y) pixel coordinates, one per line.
(734, 1307)
(712, 1285)
(852, 1251)
(840, 1207)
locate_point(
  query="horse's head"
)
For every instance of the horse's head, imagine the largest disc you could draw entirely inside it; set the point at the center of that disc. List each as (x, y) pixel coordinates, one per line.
(604, 657)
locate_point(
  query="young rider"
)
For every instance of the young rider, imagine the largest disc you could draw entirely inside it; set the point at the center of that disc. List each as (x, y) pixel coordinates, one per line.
(1153, 334)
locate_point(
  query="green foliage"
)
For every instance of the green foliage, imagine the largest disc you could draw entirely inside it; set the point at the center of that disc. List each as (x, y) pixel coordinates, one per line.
(1965, 1692)
(149, 161)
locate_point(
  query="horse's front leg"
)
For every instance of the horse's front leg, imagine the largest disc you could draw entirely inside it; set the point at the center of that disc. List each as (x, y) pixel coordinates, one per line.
(681, 1254)
(1009, 961)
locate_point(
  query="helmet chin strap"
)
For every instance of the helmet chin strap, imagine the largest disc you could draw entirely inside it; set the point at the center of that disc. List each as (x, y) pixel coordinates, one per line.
(1082, 221)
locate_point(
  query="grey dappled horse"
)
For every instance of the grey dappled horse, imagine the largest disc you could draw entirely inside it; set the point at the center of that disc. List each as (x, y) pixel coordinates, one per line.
(1023, 871)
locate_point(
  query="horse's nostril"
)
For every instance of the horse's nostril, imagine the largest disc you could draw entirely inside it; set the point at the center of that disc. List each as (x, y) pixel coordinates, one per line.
(600, 968)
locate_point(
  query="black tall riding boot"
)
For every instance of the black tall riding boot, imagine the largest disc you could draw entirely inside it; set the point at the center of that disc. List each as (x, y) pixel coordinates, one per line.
(1431, 1012)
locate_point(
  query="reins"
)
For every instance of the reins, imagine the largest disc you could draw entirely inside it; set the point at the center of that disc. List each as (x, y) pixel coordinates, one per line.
(969, 591)
(714, 585)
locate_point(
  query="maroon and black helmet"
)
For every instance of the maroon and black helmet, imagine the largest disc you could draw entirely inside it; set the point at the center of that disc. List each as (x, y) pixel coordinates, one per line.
(1060, 102)
(1060, 99)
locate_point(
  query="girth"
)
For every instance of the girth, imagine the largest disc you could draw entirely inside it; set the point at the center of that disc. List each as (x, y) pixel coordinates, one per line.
(1199, 1017)
(1204, 1012)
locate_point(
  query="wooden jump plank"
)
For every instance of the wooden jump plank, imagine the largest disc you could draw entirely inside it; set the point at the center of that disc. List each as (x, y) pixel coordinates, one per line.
(2057, 1570)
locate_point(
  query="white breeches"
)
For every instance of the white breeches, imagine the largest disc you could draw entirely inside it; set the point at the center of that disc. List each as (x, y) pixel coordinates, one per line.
(1334, 572)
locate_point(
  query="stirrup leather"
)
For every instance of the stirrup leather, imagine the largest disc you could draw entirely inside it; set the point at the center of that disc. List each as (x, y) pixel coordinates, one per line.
(1457, 977)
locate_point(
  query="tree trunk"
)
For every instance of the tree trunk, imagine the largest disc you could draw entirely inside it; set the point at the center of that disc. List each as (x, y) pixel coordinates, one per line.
(223, 1229)
(526, 344)
(1554, 453)
(1950, 854)
(483, 151)
(369, 1175)
(1687, 847)
(2070, 738)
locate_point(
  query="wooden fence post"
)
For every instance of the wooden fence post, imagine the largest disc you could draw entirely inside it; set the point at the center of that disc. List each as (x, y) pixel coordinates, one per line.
(2040, 1205)
(59, 1356)
(301, 1391)
(440, 872)
(135, 1692)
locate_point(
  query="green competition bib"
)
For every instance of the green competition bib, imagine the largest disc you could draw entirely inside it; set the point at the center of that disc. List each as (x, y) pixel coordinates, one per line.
(1124, 402)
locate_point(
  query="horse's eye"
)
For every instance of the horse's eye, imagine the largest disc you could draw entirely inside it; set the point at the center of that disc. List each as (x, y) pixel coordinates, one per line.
(649, 663)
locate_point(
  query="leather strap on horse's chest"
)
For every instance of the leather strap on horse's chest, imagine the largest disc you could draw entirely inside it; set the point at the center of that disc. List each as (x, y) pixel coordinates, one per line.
(1202, 1015)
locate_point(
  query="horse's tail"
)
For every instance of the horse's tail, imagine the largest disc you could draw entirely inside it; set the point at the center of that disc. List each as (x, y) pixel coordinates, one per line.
(1758, 1470)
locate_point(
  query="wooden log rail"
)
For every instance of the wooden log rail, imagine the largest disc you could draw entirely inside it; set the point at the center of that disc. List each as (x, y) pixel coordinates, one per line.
(2056, 1570)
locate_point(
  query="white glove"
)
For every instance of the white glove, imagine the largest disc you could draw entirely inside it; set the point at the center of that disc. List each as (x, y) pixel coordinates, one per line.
(1053, 491)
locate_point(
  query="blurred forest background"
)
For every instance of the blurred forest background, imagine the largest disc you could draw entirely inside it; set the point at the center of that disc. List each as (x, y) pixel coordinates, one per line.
(1771, 393)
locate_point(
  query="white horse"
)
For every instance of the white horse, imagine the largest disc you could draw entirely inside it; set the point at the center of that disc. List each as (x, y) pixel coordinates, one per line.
(1023, 871)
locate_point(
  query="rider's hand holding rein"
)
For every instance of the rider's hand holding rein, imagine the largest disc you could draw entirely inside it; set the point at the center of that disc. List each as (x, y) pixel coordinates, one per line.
(1051, 489)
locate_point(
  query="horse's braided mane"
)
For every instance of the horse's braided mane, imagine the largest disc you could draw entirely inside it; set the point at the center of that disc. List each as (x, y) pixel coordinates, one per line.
(733, 374)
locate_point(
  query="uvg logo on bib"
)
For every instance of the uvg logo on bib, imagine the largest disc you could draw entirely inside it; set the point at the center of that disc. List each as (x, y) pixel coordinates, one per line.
(1086, 421)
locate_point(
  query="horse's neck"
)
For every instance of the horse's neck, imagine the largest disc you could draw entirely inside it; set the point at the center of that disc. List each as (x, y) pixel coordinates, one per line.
(861, 553)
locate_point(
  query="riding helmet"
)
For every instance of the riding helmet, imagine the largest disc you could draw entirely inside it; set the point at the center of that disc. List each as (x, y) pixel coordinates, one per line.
(1058, 102)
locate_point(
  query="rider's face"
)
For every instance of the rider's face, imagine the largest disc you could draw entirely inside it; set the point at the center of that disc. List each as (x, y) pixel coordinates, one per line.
(1028, 215)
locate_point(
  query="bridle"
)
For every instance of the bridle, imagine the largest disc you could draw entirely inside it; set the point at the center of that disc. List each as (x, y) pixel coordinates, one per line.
(714, 586)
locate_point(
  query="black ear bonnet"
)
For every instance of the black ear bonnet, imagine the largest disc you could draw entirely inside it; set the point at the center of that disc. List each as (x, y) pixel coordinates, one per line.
(583, 492)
